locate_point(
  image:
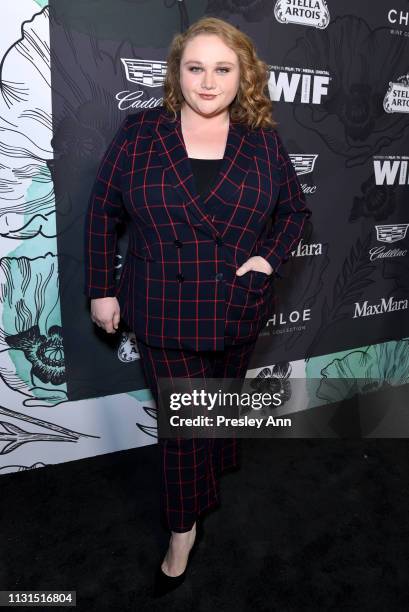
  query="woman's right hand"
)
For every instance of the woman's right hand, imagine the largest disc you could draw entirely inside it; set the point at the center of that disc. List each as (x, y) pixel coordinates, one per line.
(105, 312)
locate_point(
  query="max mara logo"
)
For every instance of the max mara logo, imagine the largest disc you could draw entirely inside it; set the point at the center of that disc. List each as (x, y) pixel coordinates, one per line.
(367, 310)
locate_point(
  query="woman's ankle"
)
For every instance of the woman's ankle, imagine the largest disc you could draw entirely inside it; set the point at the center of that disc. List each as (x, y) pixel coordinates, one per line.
(177, 533)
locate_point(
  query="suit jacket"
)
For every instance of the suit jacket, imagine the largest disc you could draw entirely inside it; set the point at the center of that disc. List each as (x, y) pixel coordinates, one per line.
(178, 287)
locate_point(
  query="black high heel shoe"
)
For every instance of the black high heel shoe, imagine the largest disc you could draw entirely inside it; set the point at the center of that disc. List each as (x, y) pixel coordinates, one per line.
(163, 583)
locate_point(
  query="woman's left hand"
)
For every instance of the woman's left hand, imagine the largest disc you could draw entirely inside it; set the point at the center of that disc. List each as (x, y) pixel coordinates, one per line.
(256, 263)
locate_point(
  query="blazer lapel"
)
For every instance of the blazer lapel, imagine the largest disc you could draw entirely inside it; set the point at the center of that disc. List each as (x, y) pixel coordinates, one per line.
(172, 152)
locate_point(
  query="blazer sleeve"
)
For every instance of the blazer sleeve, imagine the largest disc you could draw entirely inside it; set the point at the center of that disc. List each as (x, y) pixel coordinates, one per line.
(104, 212)
(289, 216)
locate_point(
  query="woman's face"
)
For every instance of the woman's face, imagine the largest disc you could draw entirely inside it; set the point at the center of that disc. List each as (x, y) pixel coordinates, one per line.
(209, 66)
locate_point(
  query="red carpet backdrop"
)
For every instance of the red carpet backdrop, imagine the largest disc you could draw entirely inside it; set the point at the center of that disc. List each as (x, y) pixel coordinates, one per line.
(339, 84)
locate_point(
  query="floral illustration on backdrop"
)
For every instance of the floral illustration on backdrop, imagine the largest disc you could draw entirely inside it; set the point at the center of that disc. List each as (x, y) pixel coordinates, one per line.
(30, 326)
(351, 119)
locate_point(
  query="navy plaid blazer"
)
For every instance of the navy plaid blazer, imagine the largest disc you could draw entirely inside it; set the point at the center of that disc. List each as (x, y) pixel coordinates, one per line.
(178, 287)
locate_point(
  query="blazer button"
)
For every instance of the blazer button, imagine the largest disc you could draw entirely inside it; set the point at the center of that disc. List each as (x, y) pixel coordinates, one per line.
(178, 243)
(180, 277)
(218, 240)
(219, 276)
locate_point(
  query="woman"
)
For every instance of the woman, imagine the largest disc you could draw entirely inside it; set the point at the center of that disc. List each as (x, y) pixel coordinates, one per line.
(200, 178)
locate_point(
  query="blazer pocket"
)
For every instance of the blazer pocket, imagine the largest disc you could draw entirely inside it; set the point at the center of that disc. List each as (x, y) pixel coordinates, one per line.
(259, 280)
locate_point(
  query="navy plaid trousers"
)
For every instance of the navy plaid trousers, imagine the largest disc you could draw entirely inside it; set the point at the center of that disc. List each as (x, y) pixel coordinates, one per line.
(190, 468)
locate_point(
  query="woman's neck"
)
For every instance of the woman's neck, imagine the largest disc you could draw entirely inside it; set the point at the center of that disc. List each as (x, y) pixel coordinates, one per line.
(192, 121)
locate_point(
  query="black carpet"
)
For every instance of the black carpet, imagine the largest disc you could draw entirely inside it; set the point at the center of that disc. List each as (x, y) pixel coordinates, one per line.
(318, 524)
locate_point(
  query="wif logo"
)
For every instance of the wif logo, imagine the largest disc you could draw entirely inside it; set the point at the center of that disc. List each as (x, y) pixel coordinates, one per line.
(303, 12)
(390, 170)
(298, 84)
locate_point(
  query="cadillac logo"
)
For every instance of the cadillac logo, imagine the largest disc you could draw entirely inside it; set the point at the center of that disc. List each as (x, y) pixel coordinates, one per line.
(145, 72)
(391, 233)
(304, 163)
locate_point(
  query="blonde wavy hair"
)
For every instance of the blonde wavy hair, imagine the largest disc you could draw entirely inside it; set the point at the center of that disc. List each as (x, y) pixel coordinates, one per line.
(252, 105)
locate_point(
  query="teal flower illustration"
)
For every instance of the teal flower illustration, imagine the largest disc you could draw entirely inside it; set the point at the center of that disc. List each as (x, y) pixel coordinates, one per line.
(362, 371)
(30, 327)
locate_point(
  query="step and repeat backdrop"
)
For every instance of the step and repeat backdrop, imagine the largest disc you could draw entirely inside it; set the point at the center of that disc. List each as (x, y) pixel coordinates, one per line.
(70, 72)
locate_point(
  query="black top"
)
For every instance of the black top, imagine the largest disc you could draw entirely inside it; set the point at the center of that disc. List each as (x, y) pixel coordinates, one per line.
(204, 172)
